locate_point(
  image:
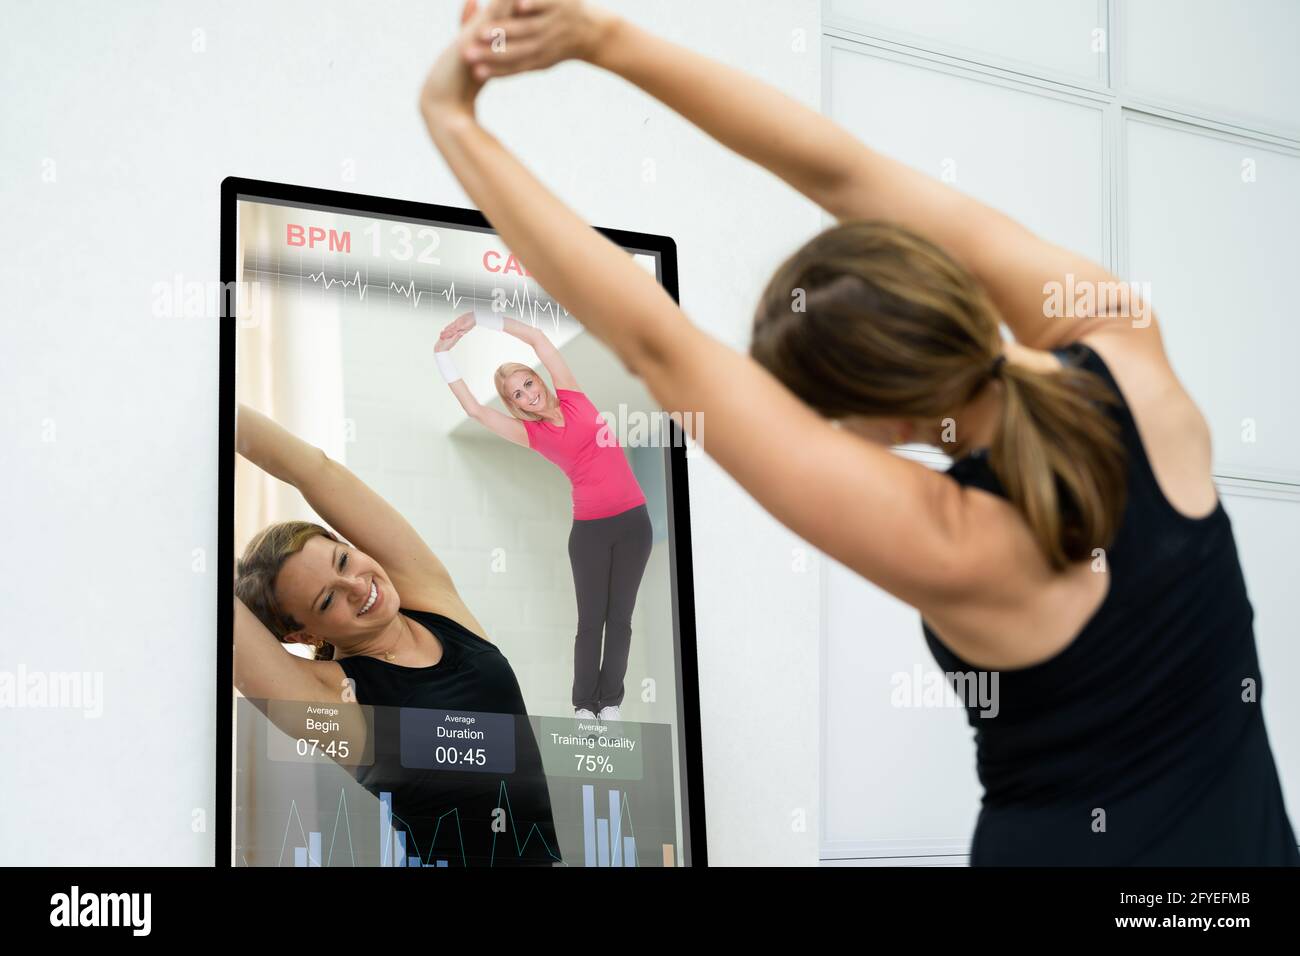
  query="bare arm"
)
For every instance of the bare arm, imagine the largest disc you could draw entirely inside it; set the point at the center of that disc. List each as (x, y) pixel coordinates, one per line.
(1017, 267)
(561, 376)
(829, 165)
(905, 527)
(750, 117)
(590, 276)
(848, 179)
(354, 510)
(265, 670)
(276, 450)
(504, 425)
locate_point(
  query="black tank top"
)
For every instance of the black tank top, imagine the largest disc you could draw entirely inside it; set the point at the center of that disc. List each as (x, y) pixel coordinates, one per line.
(449, 815)
(1142, 725)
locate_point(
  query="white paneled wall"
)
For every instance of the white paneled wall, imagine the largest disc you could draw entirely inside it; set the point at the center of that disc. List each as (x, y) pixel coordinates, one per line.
(882, 758)
(1211, 225)
(1266, 528)
(997, 139)
(1054, 39)
(1161, 138)
(1232, 62)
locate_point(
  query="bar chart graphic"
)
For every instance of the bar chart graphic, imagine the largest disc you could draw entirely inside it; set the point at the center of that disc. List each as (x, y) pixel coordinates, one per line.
(395, 851)
(610, 840)
(396, 847)
(603, 840)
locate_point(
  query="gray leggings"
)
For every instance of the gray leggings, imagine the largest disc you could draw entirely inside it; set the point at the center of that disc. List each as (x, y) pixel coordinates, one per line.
(609, 556)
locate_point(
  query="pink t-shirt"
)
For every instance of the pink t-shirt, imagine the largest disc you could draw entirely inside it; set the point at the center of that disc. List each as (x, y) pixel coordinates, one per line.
(603, 483)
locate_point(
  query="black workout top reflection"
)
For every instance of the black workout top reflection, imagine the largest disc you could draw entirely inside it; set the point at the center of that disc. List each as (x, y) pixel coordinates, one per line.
(471, 790)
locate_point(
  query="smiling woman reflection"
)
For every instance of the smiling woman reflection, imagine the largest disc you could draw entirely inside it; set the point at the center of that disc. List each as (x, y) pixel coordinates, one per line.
(611, 535)
(382, 613)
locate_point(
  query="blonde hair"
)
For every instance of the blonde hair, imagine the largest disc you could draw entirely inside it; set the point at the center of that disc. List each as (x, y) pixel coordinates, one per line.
(499, 380)
(891, 325)
(256, 571)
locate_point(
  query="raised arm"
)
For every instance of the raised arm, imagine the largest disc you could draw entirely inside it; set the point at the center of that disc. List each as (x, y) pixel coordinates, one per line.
(504, 425)
(892, 520)
(354, 510)
(823, 161)
(547, 353)
(265, 671)
(848, 179)
(1018, 268)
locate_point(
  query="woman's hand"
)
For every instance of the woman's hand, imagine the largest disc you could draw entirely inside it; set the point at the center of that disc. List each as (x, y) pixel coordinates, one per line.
(453, 331)
(535, 35)
(449, 86)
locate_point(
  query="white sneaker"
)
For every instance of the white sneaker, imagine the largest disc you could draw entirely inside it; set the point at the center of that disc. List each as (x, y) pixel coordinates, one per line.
(610, 713)
(582, 713)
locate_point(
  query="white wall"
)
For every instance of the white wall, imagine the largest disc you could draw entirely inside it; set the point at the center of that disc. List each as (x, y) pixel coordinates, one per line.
(110, 412)
(1161, 138)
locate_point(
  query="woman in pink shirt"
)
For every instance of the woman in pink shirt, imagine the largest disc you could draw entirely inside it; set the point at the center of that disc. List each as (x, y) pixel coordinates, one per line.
(609, 543)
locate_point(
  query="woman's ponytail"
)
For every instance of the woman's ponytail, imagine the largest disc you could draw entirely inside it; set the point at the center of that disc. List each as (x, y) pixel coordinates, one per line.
(1060, 459)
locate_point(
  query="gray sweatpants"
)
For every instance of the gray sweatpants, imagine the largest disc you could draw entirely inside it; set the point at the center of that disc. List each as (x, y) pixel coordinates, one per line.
(609, 556)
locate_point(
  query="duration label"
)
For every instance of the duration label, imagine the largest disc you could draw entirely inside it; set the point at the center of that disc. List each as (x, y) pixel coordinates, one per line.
(457, 740)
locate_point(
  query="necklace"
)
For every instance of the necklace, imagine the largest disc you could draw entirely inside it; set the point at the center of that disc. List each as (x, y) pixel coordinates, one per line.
(390, 656)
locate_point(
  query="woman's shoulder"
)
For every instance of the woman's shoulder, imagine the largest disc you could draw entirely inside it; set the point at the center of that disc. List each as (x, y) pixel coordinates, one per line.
(1165, 425)
(1135, 366)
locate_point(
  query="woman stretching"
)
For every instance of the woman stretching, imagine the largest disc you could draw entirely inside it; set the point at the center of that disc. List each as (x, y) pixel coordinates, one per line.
(388, 628)
(1076, 545)
(609, 543)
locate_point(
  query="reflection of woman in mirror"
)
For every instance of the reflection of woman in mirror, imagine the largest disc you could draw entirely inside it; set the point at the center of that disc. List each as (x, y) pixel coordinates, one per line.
(385, 619)
(609, 543)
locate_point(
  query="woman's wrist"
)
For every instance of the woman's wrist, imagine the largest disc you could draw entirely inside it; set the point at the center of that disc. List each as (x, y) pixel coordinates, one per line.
(442, 114)
(606, 31)
(446, 366)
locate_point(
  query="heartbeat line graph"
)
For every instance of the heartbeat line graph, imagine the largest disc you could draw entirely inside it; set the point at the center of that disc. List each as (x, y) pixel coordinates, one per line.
(518, 301)
(407, 290)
